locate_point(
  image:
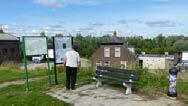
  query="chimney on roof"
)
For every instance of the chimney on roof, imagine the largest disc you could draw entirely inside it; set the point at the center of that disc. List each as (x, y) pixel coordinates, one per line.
(114, 34)
(1, 29)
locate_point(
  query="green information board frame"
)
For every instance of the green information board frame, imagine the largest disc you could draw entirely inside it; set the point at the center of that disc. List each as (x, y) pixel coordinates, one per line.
(25, 61)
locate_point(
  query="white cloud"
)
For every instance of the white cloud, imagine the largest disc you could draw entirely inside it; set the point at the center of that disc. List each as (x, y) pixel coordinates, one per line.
(5, 26)
(50, 3)
(62, 3)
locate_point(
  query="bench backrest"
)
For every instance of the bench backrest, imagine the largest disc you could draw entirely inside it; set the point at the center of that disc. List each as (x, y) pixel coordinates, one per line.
(116, 74)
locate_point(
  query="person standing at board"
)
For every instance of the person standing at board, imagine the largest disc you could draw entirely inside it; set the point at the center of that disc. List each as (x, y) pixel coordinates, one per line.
(72, 64)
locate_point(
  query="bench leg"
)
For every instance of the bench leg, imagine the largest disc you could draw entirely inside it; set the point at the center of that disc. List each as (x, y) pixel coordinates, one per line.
(128, 88)
(99, 83)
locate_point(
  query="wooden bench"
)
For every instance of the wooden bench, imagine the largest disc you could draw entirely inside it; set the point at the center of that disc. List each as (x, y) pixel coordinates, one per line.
(116, 76)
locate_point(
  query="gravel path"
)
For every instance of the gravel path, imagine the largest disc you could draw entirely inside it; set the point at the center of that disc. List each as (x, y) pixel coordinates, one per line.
(89, 95)
(32, 66)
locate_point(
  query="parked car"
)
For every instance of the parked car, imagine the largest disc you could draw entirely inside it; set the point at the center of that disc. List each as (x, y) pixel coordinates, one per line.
(37, 59)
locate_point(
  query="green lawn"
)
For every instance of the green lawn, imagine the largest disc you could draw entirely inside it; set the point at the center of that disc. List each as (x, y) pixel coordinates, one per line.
(16, 96)
(149, 84)
(10, 74)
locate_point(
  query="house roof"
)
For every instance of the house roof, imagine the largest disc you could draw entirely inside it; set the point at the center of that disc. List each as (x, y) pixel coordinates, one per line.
(5, 36)
(153, 55)
(113, 40)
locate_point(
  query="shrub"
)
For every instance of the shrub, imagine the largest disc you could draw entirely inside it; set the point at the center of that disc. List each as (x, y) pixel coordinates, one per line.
(152, 83)
(10, 65)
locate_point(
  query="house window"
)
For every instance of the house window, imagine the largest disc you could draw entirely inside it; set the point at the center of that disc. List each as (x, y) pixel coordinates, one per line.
(64, 45)
(117, 52)
(123, 65)
(106, 52)
(106, 63)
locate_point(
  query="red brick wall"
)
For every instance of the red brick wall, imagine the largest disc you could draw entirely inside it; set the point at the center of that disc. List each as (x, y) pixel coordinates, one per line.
(177, 56)
(125, 55)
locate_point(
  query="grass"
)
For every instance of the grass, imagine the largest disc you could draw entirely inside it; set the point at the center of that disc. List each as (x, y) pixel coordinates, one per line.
(11, 71)
(156, 84)
(182, 89)
(151, 84)
(16, 96)
(84, 76)
(8, 74)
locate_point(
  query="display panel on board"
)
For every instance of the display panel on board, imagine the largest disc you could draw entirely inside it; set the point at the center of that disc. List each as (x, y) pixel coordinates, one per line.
(35, 45)
(185, 56)
(62, 44)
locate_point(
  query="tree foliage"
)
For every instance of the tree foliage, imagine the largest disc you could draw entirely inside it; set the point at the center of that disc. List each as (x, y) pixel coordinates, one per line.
(157, 45)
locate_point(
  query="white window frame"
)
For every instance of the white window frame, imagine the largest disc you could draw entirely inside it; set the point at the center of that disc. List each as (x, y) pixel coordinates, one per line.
(117, 51)
(123, 64)
(106, 52)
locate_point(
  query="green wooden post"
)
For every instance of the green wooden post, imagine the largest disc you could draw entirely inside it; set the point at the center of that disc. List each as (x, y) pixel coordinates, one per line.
(49, 71)
(25, 65)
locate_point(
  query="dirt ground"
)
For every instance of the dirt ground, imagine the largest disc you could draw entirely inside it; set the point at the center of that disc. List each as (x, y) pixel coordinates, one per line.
(89, 95)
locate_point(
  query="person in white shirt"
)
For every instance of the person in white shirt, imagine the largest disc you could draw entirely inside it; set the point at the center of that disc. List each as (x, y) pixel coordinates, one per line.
(72, 64)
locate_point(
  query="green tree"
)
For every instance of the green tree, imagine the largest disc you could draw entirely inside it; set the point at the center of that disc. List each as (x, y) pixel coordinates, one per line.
(181, 45)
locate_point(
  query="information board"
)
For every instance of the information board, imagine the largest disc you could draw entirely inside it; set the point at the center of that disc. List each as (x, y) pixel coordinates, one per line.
(62, 44)
(35, 45)
(185, 56)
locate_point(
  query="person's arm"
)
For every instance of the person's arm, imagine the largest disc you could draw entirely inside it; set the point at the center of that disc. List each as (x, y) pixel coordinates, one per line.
(79, 62)
(64, 61)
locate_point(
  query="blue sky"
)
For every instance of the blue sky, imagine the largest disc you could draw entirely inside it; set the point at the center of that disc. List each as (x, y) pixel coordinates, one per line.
(95, 17)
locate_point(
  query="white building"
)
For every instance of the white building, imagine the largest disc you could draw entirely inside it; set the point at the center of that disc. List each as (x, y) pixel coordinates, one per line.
(154, 62)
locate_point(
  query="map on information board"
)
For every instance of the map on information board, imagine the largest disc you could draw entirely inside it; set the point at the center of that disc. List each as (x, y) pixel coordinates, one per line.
(62, 44)
(35, 46)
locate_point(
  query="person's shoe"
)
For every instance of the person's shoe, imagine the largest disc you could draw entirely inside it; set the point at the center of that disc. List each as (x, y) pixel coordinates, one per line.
(172, 98)
(73, 88)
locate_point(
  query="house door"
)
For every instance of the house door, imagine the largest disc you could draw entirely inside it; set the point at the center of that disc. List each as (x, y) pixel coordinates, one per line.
(140, 63)
(123, 64)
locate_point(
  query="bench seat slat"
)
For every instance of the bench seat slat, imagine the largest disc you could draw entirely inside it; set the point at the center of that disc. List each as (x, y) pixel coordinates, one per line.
(118, 75)
(115, 79)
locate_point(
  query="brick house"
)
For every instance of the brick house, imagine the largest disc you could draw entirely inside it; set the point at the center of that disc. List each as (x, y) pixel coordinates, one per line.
(113, 53)
(181, 57)
(9, 48)
(177, 57)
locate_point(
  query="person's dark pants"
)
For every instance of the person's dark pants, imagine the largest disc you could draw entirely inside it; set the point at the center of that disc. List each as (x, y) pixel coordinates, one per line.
(71, 74)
